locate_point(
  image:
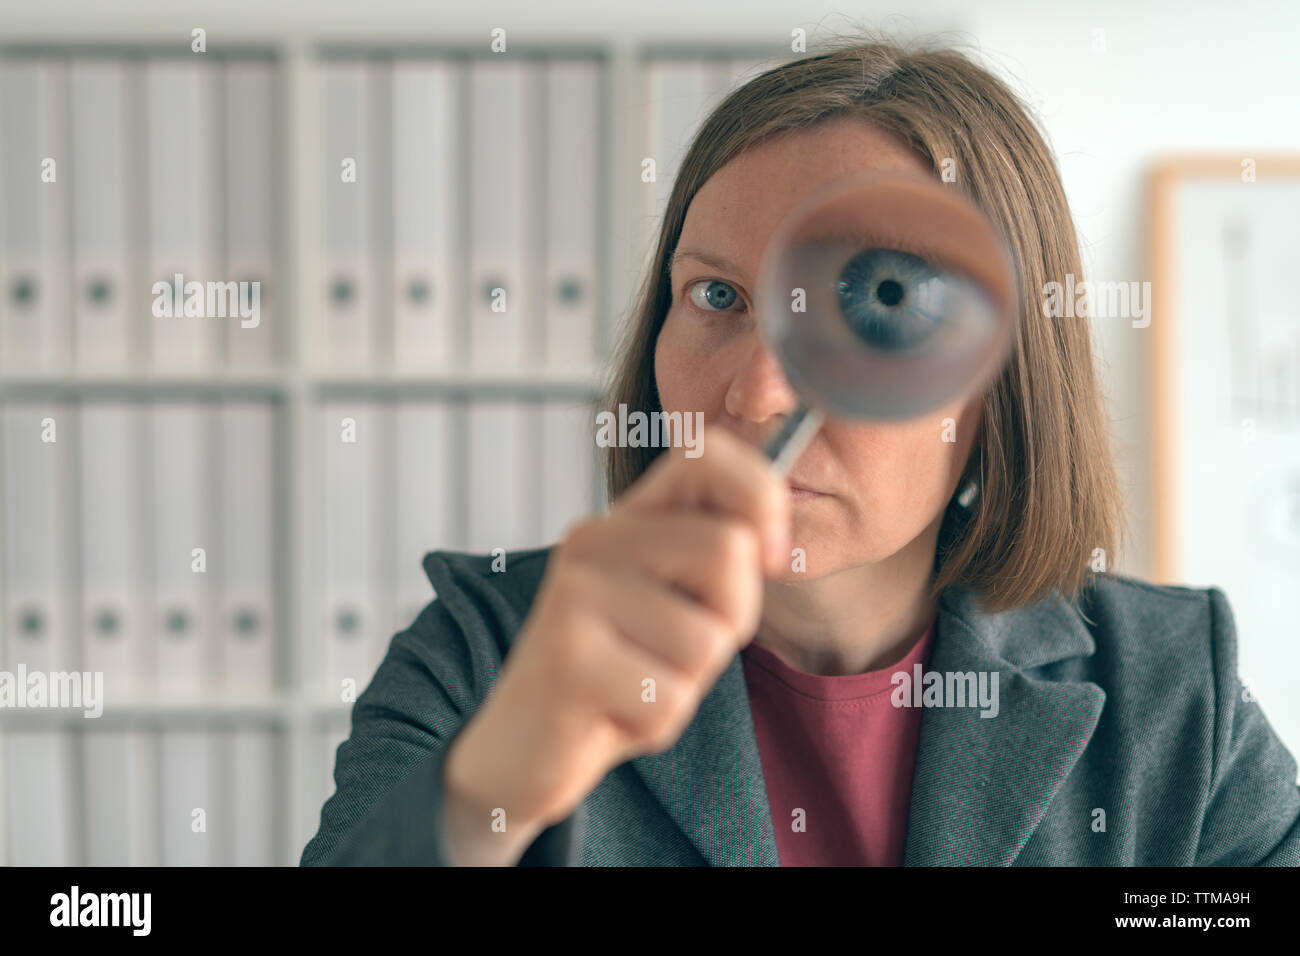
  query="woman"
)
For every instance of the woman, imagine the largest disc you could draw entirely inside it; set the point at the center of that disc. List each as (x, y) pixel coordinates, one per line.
(732, 669)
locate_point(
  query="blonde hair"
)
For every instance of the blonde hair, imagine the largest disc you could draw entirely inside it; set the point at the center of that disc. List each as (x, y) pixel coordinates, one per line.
(1048, 493)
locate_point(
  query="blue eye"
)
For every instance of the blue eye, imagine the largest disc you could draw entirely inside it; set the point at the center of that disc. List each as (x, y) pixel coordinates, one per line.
(891, 299)
(716, 296)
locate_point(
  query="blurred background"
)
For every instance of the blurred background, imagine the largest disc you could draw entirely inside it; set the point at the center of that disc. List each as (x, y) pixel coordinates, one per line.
(416, 230)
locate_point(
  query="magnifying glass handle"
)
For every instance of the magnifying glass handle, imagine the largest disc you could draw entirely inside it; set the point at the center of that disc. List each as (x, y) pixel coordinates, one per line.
(795, 432)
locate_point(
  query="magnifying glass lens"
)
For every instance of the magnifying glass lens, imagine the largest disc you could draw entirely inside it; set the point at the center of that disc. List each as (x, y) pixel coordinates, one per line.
(886, 296)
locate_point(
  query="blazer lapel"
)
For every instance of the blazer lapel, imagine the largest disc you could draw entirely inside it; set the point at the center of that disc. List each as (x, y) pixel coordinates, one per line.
(982, 785)
(711, 780)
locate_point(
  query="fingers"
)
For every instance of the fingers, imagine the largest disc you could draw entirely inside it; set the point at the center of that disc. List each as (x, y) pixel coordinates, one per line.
(731, 477)
(699, 553)
(636, 690)
(670, 625)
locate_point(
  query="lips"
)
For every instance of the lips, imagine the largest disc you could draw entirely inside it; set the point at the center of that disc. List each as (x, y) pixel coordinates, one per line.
(800, 491)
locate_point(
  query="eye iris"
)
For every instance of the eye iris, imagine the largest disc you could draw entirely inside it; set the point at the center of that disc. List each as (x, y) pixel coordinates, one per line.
(884, 294)
(719, 295)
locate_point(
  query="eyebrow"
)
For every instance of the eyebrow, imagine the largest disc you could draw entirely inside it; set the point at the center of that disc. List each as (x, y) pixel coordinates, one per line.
(700, 255)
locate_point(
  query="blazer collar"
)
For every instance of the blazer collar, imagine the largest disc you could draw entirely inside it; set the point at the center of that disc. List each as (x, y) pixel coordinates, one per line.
(980, 786)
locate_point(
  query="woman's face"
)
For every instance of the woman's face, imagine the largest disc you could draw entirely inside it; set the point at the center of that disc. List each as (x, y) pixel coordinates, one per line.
(883, 486)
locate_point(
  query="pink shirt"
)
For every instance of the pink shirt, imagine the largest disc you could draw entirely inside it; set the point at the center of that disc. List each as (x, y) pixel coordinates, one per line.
(837, 749)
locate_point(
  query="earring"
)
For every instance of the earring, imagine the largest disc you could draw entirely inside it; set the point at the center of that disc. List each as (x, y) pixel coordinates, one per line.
(968, 494)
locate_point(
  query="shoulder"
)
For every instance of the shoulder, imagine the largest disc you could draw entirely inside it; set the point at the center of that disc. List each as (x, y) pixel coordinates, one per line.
(1177, 603)
(1175, 656)
(1129, 616)
(489, 592)
(1118, 626)
(1166, 656)
(456, 645)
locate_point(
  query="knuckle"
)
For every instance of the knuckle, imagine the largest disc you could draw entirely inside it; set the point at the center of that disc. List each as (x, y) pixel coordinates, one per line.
(712, 643)
(659, 720)
(680, 703)
(662, 729)
(673, 724)
(642, 728)
(719, 641)
(662, 741)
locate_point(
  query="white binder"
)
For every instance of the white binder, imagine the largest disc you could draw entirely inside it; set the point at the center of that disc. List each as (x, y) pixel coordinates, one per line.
(426, 222)
(39, 793)
(424, 482)
(194, 823)
(114, 538)
(182, 494)
(567, 469)
(573, 145)
(39, 537)
(119, 777)
(353, 623)
(252, 206)
(249, 802)
(35, 324)
(347, 330)
(501, 507)
(246, 563)
(504, 205)
(107, 293)
(182, 123)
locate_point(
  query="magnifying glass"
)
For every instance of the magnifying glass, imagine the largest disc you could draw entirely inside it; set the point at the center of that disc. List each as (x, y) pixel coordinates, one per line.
(884, 295)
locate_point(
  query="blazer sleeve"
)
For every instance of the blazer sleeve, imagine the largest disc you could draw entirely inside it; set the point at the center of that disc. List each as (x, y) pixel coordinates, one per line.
(386, 809)
(1252, 817)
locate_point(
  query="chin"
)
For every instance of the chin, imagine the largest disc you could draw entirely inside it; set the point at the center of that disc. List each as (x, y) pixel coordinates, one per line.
(819, 560)
(826, 553)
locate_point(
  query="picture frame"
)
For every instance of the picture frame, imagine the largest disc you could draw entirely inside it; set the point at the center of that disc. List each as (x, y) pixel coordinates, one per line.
(1224, 401)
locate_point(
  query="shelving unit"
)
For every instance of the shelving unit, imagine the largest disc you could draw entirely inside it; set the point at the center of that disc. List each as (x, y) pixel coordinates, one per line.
(303, 720)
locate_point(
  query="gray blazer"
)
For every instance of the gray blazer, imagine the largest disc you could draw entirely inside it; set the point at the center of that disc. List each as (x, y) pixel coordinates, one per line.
(1129, 704)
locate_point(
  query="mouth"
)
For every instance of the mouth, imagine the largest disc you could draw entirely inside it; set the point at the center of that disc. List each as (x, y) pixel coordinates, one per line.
(800, 493)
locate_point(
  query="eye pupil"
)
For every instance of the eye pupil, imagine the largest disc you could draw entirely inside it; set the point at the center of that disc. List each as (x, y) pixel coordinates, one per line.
(890, 292)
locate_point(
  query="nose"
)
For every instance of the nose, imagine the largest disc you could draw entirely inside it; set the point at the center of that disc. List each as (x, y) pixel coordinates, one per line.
(759, 389)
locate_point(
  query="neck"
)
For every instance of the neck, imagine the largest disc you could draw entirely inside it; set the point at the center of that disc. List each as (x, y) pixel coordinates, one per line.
(859, 619)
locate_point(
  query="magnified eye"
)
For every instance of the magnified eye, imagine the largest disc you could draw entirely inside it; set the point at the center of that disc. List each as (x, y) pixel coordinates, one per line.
(712, 295)
(886, 295)
(891, 299)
